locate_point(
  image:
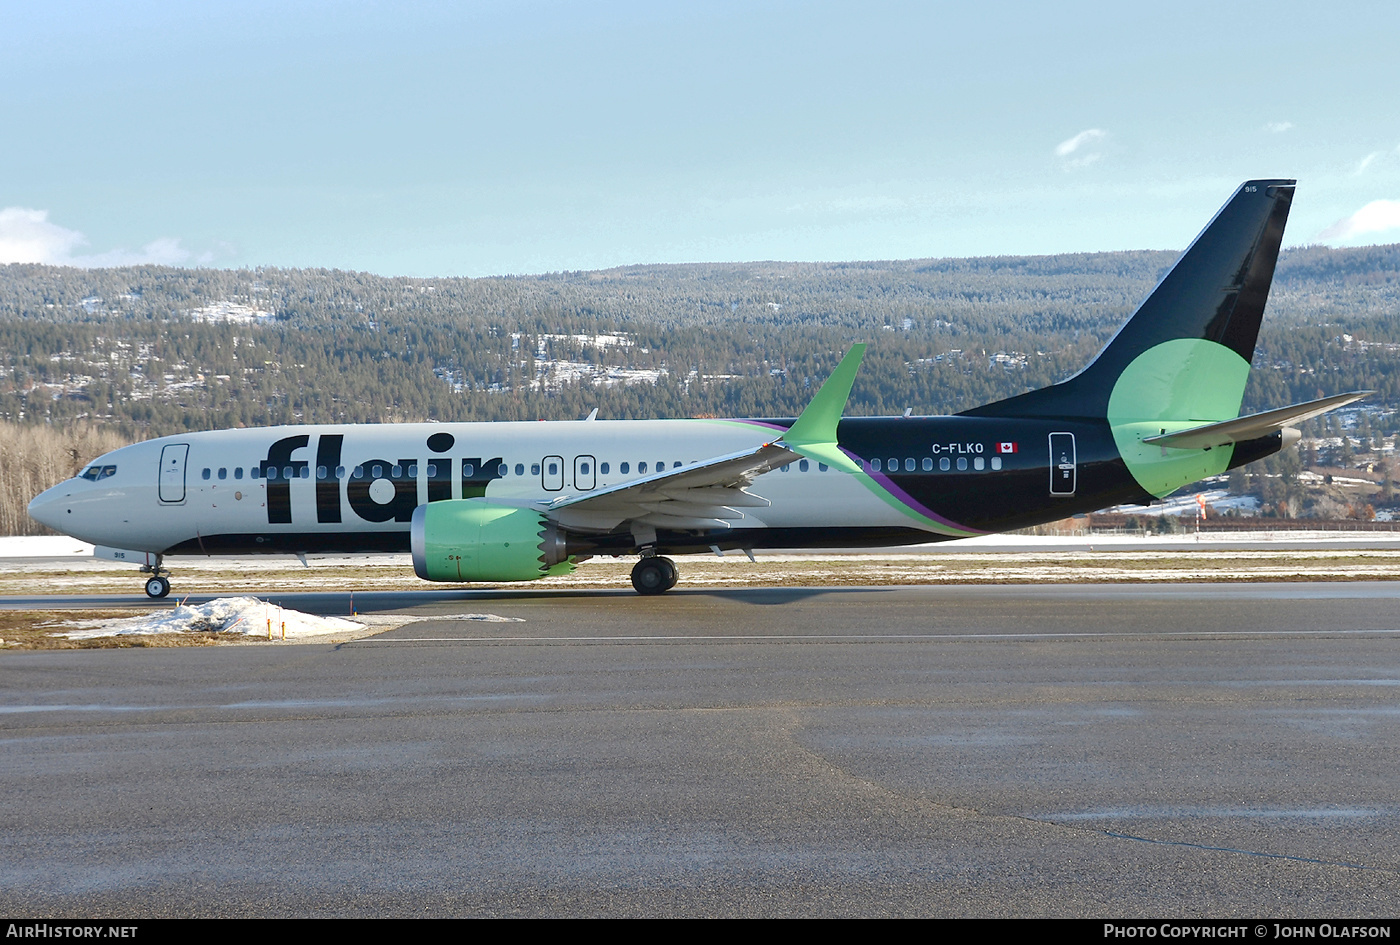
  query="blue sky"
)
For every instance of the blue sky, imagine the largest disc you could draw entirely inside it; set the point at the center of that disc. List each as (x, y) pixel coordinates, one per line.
(487, 138)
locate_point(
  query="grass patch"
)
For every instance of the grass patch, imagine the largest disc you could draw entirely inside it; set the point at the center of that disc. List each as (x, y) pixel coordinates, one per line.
(35, 629)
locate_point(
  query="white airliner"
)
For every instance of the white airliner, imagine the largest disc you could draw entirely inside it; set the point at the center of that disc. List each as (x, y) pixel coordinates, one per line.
(493, 502)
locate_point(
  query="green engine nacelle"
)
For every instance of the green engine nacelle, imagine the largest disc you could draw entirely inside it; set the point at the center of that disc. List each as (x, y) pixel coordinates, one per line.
(469, 540)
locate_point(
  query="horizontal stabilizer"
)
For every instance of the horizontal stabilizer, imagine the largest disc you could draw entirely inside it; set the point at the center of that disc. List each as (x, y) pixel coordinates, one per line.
(1252, 427)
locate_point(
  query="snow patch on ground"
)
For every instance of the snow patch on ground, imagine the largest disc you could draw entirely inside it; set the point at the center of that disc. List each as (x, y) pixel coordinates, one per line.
(42, 546)
(242, 615)
(226, 311)
(248, 616)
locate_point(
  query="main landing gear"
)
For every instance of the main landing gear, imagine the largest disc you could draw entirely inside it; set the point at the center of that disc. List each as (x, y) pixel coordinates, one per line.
(159, 584)
(654, 575)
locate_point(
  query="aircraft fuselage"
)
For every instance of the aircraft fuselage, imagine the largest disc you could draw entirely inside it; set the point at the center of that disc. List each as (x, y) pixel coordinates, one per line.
(353, 488)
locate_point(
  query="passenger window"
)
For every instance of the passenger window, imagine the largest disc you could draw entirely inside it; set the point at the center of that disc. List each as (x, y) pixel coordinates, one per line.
(892, 466)
(979, 463)
(204, 473)
(502, 470)
(962, 463)
(535, 469)
(875, 465)
(821, 467)
(520, 469)
(641, 467)
(320, 472)
(238, 472)
(397, 471)
(908, 464)
(413, 470)
(928, 464)
(223, 472)
(802, 466)
(340, 472)
(676, 464)
(376, 472)
(468, 470)
(432, 471)
(603, 468)
(624, 468)
(787, 467)
(254, 472)
(359, 472)
(943, 463)
(287, 473)
(996, 462)
(583, 468)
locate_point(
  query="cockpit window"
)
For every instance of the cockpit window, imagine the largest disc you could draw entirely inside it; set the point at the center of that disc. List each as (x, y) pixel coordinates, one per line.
(94, 473)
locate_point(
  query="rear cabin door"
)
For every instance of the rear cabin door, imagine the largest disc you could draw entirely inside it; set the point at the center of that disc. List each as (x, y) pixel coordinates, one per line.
(172, 472)
(1063, 470)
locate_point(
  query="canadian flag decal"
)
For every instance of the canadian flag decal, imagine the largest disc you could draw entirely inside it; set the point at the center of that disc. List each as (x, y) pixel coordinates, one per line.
(1005, 447)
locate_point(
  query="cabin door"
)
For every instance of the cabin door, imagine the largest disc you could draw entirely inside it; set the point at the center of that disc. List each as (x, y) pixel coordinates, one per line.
(172, 472)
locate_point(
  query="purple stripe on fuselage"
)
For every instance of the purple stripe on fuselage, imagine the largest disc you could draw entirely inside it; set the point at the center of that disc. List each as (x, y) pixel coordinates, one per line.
(908, 500)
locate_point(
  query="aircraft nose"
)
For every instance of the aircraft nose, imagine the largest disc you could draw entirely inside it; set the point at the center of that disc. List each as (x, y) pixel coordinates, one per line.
(47, 508)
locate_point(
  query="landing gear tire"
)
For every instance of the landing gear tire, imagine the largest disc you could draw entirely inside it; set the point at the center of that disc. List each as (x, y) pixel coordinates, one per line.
(654, 576)
(157, 587)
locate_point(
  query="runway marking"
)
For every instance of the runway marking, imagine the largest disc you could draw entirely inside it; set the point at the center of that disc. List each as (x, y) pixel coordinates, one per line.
(865, 637)
(1259, 853)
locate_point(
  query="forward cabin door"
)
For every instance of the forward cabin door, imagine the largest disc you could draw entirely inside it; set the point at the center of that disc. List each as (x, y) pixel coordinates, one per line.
(1063, 470)
(172, 472)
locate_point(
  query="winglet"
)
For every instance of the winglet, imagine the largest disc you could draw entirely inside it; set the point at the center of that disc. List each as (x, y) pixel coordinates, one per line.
(813, 434)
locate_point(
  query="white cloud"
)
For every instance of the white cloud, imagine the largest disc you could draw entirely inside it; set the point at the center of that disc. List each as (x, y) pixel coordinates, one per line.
(1366, 162)
(1377, 216)
(1278, 127)
(1081, 150)
(27, 236)
(1066, 148)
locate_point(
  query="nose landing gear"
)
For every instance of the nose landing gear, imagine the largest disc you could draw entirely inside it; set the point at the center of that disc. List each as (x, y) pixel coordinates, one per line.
(654, 575)
(159, 584)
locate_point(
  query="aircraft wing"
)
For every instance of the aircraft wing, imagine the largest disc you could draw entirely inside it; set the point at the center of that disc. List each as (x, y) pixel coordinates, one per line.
(703, 495)
(1253, 426)
(709, 495)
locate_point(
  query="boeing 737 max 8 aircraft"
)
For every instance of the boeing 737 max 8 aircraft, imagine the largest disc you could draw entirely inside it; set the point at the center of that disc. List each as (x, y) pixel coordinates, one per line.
(1156, 409)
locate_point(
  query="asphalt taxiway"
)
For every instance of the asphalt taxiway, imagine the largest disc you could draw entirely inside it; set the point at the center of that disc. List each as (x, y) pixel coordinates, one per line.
(1133, 750)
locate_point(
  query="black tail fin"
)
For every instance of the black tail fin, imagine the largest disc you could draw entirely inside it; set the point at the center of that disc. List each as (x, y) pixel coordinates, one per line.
(1215, 291)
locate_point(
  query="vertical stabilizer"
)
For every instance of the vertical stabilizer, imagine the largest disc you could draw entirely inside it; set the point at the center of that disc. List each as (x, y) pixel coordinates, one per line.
(1188, 346)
